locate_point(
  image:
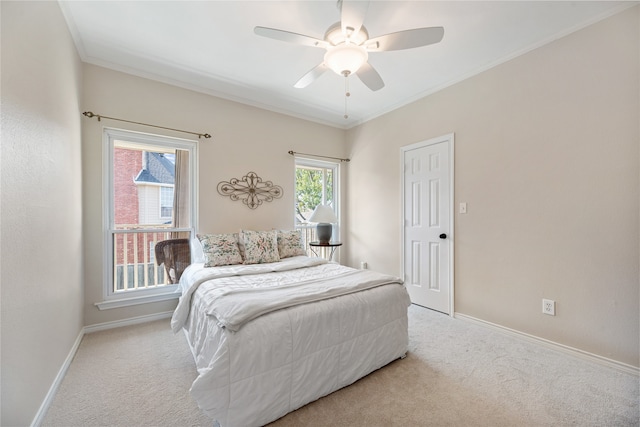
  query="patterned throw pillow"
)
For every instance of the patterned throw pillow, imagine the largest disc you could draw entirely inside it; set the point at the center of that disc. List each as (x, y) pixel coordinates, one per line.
(220, 249)
(260, 246)
(290, 243)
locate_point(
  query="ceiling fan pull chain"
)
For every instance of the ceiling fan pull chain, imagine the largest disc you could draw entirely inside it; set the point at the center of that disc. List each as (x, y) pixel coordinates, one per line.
(347, 94)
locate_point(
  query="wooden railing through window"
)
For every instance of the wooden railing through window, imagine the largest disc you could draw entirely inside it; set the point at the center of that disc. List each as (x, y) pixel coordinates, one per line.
(308, 235)
(134, 265)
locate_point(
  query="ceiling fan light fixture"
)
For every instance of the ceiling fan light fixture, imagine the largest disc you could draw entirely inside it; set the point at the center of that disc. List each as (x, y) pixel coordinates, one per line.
(345, 59)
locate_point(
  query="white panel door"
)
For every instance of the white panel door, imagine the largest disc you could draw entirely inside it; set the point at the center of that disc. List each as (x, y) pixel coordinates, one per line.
(427, 227)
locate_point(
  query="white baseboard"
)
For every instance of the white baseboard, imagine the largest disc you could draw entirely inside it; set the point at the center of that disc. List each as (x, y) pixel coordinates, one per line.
(127, 322)
(585, 355)
(44, 407)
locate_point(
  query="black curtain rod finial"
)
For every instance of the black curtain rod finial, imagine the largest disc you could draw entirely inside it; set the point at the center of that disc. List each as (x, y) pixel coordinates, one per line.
(91, 115)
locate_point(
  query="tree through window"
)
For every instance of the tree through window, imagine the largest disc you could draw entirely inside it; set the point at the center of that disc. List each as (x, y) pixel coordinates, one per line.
(316, 183)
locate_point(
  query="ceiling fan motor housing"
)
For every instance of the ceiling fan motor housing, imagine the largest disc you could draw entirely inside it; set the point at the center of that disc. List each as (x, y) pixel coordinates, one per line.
(334, 35)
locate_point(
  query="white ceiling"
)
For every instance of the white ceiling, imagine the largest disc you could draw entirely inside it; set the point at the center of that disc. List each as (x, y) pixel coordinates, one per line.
(210, 46)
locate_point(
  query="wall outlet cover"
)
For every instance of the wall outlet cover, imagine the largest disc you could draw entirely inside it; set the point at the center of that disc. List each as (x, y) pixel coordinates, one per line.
(549, 307)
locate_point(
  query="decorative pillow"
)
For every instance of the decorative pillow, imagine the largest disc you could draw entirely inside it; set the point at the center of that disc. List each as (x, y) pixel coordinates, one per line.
(220, 249)
(260, 246)
(290, 243)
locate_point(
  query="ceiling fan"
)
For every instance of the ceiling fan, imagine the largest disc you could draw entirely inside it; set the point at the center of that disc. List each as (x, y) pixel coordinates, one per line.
(347, 44)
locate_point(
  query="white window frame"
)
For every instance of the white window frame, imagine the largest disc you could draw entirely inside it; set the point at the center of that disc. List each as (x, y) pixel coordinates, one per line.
(335, 167)
(113, 299)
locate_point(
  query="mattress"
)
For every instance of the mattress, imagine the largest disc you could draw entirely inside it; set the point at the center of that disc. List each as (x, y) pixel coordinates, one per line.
(270, 338)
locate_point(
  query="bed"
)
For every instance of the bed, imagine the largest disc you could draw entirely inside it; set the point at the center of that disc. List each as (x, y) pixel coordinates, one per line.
(270, 337)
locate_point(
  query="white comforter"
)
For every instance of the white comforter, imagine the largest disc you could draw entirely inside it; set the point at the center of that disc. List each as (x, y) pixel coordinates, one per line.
(233, 278)
(270, 338)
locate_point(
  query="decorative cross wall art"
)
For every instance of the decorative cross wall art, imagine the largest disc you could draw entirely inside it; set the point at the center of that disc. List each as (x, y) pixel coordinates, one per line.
(250, 189)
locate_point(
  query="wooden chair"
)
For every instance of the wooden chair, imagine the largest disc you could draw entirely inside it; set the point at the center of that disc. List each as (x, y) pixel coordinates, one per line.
(176, 256)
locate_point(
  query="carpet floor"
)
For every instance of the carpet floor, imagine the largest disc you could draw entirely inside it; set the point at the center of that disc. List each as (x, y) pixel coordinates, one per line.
(456, 374)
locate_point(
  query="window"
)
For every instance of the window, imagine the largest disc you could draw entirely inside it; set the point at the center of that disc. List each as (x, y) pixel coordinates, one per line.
(149, 194)
(166, 202)
(316, 182)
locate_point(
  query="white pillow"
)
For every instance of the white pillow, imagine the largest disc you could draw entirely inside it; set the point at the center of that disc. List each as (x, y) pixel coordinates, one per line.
(197, 255)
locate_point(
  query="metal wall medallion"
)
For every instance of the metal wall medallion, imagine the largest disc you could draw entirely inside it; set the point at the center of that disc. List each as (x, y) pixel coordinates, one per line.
(250, 189)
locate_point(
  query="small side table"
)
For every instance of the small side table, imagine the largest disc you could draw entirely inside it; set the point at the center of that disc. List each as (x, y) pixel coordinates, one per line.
(331, 245)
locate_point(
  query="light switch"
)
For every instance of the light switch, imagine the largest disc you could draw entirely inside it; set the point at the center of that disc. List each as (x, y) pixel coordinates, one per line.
(463, 208)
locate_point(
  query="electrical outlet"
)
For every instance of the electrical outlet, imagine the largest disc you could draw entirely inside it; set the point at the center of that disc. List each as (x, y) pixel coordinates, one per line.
(363, 265)
(549, 307)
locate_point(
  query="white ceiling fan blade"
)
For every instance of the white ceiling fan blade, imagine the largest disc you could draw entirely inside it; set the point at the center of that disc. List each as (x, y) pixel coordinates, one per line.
(407, 39)
(370, 77)
(352, 13)
(287, 36)
(311, 76)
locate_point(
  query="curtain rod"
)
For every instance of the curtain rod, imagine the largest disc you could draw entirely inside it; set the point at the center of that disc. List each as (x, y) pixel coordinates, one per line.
(293, 153)
(90, 115)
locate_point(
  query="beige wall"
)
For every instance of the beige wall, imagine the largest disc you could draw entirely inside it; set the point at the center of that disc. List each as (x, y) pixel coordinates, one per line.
(41, 212)
(547, 158)
(244, 139)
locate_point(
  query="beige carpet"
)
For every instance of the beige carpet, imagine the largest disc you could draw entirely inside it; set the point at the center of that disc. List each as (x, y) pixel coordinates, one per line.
(456, 374)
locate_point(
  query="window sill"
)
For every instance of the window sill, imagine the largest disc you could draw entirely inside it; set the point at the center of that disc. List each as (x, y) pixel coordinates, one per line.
(145, 299)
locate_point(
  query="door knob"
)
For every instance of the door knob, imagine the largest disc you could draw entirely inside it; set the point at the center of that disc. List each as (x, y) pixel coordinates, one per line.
(443, 236)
